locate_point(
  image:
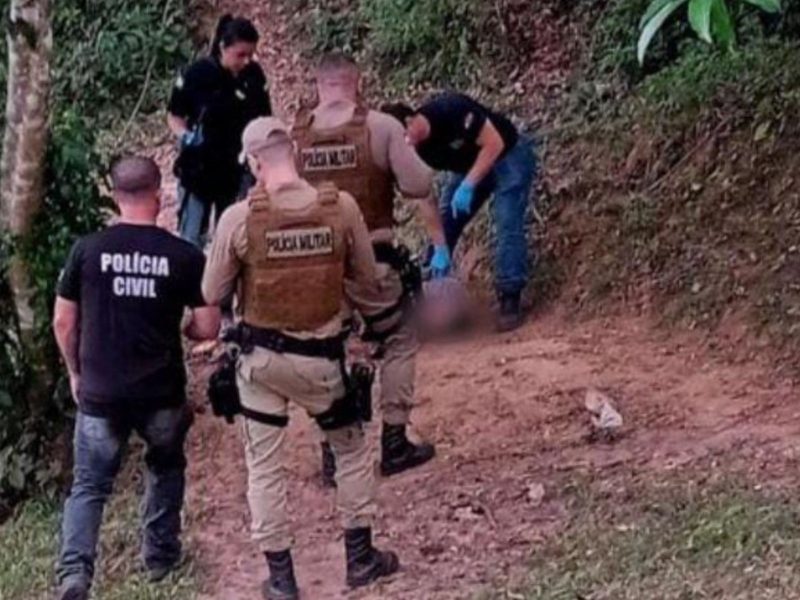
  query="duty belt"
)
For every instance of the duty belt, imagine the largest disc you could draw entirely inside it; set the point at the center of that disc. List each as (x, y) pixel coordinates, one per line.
(247, 337)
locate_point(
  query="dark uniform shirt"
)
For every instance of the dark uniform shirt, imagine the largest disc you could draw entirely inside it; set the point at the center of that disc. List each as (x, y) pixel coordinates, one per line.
(456, 122)
(132, 283)
(211, 97)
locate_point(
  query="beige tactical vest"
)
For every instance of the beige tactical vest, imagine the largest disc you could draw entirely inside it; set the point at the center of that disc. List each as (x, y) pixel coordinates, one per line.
(343, 155)
(295, 262)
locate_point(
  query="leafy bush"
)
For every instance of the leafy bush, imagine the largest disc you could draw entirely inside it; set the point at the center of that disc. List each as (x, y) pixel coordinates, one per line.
(410, 41)
(113, 54)
(332, 29)
(711, 20)
(420, 40)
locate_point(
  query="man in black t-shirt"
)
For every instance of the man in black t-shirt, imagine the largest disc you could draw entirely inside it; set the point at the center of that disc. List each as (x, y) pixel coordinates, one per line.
(485, 155)
(119, 307)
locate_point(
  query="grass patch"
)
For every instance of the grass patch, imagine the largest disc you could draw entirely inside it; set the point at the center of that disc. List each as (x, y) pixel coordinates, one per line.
(672, 542)
(29, 546)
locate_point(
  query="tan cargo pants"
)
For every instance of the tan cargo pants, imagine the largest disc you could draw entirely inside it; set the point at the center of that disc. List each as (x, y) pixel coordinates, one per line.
(398, 367)
(267, 382)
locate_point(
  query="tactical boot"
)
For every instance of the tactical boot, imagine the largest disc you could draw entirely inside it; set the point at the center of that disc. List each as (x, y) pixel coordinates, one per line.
(365, 563)
(509, 313)
(74, 587)
(328, 466)
(281, 584)
(398, 453)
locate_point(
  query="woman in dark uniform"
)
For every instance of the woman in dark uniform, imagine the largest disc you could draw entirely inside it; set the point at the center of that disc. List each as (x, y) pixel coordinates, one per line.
(211, 104)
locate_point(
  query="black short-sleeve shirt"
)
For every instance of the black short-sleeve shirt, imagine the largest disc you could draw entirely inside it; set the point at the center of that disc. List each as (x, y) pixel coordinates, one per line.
(456, 122)
(132, 283)
(222, 104)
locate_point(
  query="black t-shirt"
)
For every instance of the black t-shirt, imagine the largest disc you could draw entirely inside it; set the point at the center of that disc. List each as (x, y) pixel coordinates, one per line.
(210, 96)
(456, 122)
(132, 283)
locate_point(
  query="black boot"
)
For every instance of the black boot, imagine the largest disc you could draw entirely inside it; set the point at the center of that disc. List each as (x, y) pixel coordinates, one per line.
(398, 454)
(509, 313)
(328, 466)
(281, 584)
(365, 563)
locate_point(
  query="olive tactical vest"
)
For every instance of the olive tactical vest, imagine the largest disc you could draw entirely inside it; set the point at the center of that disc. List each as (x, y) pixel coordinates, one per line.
(343, 155)
(295, 262)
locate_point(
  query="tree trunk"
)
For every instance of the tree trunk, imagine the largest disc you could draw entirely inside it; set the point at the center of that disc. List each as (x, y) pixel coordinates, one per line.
(30, 48)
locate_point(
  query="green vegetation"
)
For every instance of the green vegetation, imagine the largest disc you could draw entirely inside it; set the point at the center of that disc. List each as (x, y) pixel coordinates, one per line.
(711, 20)
(672, 542)
(413, 42)
(114, 61)
(29, 543)
(684, 169)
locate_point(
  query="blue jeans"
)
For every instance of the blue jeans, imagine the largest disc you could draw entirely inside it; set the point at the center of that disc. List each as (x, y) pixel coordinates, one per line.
(194, 213)
(99, 447)
(511, 181)
(193, 217)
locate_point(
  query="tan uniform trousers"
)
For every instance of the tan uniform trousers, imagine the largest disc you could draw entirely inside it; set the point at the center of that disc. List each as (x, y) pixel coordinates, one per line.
(398, 367)
(267, 382)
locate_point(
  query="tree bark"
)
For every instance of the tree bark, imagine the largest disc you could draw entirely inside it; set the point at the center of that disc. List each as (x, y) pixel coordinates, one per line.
(30, 48)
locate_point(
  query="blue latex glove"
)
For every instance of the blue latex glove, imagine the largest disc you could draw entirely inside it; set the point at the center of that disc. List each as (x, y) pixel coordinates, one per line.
(462, 199)
(440, 262)
(191, 138)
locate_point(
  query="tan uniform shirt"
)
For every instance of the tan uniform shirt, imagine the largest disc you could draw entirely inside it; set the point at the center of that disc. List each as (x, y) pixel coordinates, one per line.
(390, 151)
(225, 261)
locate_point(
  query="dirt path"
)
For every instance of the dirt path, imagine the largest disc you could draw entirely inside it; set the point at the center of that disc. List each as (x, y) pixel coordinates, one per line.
(506, 414)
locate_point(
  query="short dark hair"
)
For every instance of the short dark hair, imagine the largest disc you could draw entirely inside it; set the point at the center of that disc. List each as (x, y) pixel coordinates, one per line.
(231, 30)
(135, 175)
(336, 61)
(399, 110)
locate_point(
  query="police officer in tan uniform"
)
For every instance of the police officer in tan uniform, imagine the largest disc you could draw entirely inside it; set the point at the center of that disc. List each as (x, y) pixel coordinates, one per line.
(365, 153)
(285, 252)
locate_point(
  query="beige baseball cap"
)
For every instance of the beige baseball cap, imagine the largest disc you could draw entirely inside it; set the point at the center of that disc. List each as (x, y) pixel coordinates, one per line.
(263, 133)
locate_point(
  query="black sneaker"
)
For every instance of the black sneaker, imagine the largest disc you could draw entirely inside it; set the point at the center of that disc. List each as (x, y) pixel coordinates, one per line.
(509, 312)
(398, 454)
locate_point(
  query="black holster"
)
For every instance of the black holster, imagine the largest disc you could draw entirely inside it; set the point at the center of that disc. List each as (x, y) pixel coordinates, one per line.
(223, 393)
(399, 259)
(359, 387)
(356, 405)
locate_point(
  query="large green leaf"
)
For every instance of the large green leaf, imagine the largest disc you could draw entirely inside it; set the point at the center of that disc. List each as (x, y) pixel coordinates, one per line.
(655, 7)
(722, 24)
(770, 6)
(700, 18)
(652, 26)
